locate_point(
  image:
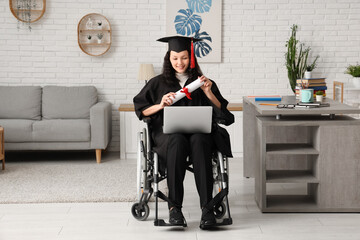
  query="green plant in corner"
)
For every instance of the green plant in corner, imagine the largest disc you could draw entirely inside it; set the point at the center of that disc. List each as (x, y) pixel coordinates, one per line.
(353, 70)
(319, 93)
(296, 60)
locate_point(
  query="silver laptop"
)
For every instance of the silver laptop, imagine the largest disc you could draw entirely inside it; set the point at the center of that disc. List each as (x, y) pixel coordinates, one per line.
(189, 119)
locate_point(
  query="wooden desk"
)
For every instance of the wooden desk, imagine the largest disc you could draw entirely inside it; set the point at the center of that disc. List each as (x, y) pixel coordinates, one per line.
(130, 126)
(252, 110)
(2, 150)
(306, 147)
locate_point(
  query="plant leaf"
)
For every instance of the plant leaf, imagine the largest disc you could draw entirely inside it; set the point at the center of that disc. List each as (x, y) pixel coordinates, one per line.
(187, 23)
(199, 6)
(202, 48)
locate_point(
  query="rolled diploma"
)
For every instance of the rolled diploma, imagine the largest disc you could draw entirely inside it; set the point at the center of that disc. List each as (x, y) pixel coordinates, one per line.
(191, 87)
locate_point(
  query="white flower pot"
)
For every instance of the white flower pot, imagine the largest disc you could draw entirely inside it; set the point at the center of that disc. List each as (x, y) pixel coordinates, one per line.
(99, 41)
(319, 98)
(307, 75)
(356, 82)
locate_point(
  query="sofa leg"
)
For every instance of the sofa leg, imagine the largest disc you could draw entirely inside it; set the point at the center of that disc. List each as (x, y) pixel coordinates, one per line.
(98, 155)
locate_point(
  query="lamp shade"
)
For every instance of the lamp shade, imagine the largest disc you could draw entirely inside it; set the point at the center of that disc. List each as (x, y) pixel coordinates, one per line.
(146, 71)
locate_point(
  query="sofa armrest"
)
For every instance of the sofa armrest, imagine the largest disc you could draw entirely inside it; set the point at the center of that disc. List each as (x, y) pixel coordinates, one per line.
(101, 124)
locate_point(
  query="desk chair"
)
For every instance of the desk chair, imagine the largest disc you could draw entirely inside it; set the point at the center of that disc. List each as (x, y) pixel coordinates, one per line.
(340, 86)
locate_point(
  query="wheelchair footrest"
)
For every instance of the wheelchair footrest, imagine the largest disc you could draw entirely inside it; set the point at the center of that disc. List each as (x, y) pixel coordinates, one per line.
(226, 221)
(162, 223)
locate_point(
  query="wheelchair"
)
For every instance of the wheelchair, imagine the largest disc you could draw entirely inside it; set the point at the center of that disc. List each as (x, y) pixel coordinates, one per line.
(149, 176)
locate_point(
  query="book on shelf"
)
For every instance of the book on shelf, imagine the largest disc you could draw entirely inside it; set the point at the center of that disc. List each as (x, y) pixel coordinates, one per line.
(297, 92)
(309, 104)
(317, 88)
(316, 104)
(303, 106)
(310, 80)
(312, 84)
(267, 98)
(317, 84)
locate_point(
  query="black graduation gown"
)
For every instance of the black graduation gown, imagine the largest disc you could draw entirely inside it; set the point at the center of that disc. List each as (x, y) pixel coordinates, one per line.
(152, 94)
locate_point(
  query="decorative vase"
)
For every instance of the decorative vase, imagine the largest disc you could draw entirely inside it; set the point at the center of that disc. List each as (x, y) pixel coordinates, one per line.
(89, 24)
(319, 98)
(307, 75)
(356, 82)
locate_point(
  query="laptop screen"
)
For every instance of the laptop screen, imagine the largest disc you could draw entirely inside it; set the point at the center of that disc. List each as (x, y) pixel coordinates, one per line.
(187, 119)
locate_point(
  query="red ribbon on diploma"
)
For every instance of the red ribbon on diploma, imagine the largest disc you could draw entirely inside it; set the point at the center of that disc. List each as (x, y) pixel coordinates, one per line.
(185, 90)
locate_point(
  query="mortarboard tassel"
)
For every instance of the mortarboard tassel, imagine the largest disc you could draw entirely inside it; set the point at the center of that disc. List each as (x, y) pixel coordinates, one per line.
(192, 60)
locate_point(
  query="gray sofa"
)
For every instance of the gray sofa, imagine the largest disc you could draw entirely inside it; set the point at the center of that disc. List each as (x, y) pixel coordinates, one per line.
(54, 118)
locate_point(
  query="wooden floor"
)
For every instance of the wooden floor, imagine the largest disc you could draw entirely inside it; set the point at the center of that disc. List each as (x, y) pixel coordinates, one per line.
(102, 221)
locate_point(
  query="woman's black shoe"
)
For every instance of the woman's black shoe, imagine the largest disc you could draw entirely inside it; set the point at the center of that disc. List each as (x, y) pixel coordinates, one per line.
(176, 217)
(207, 219)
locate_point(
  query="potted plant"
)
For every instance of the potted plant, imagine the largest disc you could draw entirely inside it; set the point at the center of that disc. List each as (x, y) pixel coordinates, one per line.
(89, 37)
(354, 70)
(296, 60)
(100, 36)
(319, 96)
(309, 68)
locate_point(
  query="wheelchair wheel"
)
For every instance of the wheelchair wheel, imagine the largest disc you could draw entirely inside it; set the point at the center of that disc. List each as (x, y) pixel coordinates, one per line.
(219, 210)
(140, 213)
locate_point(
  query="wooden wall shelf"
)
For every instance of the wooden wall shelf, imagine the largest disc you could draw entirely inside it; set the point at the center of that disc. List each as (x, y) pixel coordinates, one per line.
(88, 26)
(95, 44)
(94, 30)
(17, 8)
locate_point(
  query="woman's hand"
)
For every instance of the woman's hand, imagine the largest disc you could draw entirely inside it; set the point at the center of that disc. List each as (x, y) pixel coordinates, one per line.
(167, 99)
(207, 84)
(207, 90)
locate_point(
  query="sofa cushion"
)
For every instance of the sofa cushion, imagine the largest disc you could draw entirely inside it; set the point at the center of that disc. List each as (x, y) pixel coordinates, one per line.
(68, 102)
(20, 102)
(17, 130)
(61, 130)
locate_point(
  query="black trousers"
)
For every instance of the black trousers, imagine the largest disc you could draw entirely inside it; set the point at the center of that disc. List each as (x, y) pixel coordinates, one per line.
(199, 148)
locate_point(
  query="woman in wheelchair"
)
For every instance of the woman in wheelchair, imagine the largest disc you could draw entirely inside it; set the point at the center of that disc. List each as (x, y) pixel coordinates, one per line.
(179, 69)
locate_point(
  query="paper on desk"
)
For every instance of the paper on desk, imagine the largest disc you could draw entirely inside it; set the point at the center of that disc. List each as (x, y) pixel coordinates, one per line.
(190, 88)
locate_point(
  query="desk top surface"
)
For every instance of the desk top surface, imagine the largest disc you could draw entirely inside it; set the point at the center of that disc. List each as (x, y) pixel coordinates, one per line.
(130, 107)
(334, 108)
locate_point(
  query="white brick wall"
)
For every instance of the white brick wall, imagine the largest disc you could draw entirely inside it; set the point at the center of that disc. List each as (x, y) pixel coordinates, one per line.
(254, 36)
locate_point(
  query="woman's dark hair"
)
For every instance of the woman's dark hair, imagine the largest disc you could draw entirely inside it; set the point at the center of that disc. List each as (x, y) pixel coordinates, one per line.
(169, 71)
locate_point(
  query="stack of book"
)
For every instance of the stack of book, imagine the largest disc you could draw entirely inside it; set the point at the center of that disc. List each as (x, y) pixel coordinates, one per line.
(318, 84)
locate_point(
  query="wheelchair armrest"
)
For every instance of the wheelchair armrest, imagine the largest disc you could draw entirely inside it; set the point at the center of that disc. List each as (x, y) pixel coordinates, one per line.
(220, 121)
(147, 120)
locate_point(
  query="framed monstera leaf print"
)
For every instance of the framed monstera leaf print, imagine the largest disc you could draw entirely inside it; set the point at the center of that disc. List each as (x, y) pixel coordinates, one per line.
(199, 19)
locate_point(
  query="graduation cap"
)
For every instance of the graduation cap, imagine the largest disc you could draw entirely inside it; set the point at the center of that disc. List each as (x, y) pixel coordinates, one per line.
(181, 43)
